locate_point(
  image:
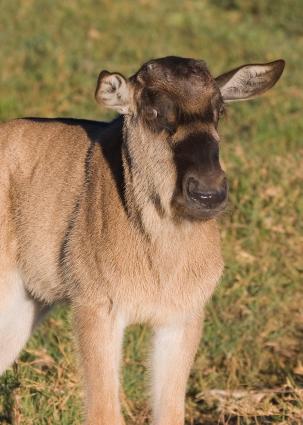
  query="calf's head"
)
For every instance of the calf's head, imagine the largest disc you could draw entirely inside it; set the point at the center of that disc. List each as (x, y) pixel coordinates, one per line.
(176, 101)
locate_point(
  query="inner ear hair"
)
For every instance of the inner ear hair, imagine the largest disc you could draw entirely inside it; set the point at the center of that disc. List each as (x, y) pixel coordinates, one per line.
(250, 80)
(113, 92)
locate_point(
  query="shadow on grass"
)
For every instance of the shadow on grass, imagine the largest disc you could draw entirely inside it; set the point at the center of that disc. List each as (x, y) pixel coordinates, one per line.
(9, 384)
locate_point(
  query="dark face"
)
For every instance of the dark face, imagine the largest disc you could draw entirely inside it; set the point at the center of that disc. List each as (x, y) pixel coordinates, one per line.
(178, 98)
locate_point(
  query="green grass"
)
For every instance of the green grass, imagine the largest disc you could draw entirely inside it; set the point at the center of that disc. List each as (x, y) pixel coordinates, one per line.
(249, 368)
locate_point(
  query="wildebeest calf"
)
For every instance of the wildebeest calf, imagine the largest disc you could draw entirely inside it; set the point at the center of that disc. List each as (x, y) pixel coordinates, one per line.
(119, 219)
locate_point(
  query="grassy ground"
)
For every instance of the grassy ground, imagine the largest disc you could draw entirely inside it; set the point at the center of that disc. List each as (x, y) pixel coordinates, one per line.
(249, 369)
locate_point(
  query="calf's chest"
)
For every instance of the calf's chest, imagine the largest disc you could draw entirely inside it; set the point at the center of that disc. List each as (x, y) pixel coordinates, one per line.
(173, 274)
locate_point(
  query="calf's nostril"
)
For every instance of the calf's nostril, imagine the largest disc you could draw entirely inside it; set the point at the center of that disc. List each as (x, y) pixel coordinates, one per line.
(221, 195)
(192, 185)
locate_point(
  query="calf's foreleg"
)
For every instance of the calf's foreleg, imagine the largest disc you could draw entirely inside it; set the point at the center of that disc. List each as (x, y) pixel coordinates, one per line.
(100, 336)
(175, 346)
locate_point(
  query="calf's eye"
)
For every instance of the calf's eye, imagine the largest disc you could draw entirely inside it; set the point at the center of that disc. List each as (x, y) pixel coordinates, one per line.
(155, 113)
(151, 113)
(221, 111)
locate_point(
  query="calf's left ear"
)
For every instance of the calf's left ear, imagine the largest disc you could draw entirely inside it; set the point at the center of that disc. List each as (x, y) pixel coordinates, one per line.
(249, 81)
(113, 92)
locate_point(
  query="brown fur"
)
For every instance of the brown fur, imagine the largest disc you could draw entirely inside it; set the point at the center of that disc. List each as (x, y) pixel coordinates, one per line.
(87, 215)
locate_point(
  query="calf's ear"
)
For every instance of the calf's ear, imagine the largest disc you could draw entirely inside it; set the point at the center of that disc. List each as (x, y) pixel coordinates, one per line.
(249, 81)
(113, 92)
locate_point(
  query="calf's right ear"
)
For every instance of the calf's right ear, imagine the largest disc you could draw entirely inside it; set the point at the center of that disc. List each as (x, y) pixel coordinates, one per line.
(113, 92)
